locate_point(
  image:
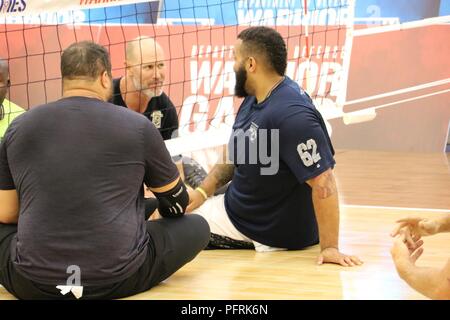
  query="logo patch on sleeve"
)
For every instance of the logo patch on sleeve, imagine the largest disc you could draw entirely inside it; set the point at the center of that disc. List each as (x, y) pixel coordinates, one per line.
(308, 153)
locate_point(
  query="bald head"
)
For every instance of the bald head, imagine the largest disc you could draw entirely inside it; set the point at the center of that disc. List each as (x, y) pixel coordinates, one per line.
(145, 65)
(143, 50)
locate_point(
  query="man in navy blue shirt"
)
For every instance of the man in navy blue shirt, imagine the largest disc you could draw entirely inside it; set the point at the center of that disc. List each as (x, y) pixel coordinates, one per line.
(282, 193)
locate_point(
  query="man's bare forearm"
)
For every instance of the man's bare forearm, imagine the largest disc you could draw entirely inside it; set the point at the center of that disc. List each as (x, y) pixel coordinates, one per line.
(444, 224)
(179, 165)
(219, 176)
(326, 206)
(431, 282)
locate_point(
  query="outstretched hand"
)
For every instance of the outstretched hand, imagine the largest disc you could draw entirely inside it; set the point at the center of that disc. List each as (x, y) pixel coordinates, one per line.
(417, 226)
(403, 251)
(332, 255)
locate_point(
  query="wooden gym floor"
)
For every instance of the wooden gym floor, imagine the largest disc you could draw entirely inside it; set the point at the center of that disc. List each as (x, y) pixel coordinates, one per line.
(376, 188)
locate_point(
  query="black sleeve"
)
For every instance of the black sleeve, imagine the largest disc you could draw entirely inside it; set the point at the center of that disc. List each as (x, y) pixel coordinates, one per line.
(116, 97)
(171, 123)
(159, 167)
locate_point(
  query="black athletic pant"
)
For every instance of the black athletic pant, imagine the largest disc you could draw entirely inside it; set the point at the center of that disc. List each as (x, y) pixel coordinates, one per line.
(173, 243)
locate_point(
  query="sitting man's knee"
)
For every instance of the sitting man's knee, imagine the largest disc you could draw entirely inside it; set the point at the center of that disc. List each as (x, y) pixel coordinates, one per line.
(202, 227)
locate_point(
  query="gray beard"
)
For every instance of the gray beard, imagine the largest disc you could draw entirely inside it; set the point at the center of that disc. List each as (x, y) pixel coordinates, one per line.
(150, 93)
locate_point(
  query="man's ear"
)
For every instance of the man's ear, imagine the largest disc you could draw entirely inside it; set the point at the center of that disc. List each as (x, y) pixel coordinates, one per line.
(251, 64)
(106, 80)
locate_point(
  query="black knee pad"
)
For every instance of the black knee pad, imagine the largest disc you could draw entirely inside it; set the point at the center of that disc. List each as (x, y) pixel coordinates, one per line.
(173, 203)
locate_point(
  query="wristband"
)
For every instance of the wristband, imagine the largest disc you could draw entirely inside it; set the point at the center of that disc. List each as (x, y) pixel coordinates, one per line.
(203, 192)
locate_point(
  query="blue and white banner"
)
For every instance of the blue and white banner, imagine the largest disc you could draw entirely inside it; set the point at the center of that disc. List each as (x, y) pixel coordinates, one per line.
(219, 12)
(292, 12)
(256, 12)
(51, 12)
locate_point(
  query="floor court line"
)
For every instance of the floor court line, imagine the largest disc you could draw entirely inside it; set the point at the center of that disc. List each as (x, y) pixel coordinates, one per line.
(395, 208)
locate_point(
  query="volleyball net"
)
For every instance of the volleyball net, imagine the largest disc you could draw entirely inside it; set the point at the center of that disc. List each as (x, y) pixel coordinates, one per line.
(197, 37)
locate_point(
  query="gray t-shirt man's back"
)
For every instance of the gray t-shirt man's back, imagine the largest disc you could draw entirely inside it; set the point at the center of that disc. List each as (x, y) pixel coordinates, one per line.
(78, 165)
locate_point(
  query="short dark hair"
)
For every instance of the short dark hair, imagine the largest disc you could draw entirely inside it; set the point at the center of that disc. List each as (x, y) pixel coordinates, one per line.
(85, 59)
(266, 41)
